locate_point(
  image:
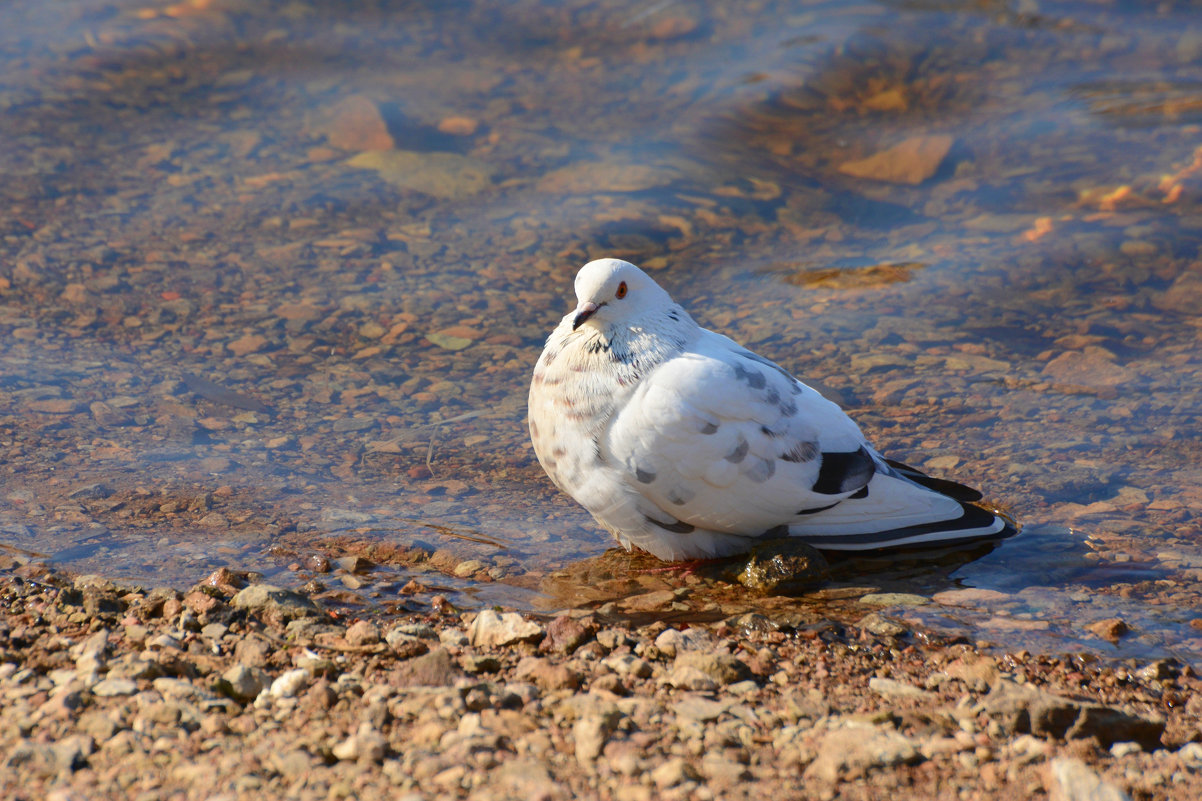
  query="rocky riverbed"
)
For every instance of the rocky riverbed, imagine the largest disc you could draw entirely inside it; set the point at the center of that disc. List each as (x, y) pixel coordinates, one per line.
(235, 689)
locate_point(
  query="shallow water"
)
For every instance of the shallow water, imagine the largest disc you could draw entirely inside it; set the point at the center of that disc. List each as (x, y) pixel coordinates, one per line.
(275, 274)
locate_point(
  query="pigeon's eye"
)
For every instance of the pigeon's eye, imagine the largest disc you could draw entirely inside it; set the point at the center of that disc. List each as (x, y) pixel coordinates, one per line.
(621, 293)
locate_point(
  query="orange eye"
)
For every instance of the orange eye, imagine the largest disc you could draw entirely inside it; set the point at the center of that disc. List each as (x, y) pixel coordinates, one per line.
(621, 293)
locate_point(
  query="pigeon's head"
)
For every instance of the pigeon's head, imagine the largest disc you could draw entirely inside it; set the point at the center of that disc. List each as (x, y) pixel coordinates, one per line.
(615, 292)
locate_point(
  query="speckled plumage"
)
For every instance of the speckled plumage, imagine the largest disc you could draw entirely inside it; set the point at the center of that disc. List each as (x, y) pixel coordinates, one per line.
(687, 445)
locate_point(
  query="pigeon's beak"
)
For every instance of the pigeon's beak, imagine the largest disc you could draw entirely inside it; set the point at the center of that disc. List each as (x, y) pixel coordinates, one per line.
(583, 312)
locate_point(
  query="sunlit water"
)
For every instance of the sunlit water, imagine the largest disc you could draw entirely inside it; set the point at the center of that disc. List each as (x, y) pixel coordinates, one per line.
(275, 274)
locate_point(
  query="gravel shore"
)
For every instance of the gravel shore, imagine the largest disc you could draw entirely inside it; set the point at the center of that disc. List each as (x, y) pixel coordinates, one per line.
(237, 690)
(245, 690)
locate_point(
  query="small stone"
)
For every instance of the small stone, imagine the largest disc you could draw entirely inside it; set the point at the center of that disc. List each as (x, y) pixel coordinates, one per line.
(1093, 367)
(1073, 780)
(453, 638)
(673, 772)
(433, 669)
(1120, 750)
(250, 343)
(447, 341)
(628, 665)
(699, 708)
(92, 492)
(53, 406)
(590, 733)
(354, 564)
(565, 635)
(362, 633)
(365, 745)
(458, 126)
(290, 683)
(109, 687)
(355, 123)
(477, 663)
(1111, 628)
(245, 682)
(490, 629)
(783, 566)
(878, 624)
(706, 671)
(897, 689)
(274, 604)
(911, 161)
(851, 751)
(893, 599)
(1190, 755)
(671, 642)
(547, 675)
(438, 174)
(469, 567)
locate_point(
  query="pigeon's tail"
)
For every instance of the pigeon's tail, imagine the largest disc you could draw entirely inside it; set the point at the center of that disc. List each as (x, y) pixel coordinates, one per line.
(904, 508)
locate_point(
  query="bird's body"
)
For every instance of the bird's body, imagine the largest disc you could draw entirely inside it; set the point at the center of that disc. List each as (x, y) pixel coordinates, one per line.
(687, 445)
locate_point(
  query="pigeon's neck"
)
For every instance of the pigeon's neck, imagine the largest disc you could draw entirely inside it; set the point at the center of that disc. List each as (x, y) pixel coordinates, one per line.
(636, 350)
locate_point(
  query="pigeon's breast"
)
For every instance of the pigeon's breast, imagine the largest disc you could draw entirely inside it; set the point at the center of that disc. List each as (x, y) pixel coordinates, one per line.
(573, 398)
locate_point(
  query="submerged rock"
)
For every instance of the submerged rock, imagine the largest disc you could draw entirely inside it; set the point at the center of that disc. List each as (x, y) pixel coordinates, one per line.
(783, 566)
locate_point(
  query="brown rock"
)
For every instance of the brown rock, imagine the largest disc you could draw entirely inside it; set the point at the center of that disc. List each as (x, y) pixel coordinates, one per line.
(1090, 367)
(53, 406)
(1112, 628)
(434, 669)
(458, 126)
(201, 604)
(1022, 708)
(565, 634)
(1184, 293)
(250, 343)
(1072, 780)
(355, 123)
(362, 633)
(548, 675)
(910, 162)
(851, 752)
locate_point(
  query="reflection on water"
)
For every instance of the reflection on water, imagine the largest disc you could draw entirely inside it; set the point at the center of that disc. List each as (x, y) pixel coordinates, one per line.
(274, 278)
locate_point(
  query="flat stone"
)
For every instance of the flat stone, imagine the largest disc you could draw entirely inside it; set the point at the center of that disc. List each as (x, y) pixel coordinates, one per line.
(275, 604)
(1022, 708)
(695, 670)
(1073, 780)
(880, 625)
(699, 708)
(108, 688)
(674, 771)
(911, 161)
(244, 682)
(851, 751)
(897, 689)
(969, 597)
(671, 642)
(433, 669)
(893, 599)
(491, 629)
(1092, 366)
(441, 175)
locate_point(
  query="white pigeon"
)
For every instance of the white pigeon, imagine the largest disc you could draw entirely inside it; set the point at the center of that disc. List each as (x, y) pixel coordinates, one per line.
(683, 443)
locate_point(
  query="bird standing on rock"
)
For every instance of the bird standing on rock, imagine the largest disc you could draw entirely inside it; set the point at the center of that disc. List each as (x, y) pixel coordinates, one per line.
(683, 443)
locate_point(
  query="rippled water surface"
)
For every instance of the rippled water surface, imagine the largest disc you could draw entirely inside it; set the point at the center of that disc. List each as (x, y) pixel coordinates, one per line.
(274, 276)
